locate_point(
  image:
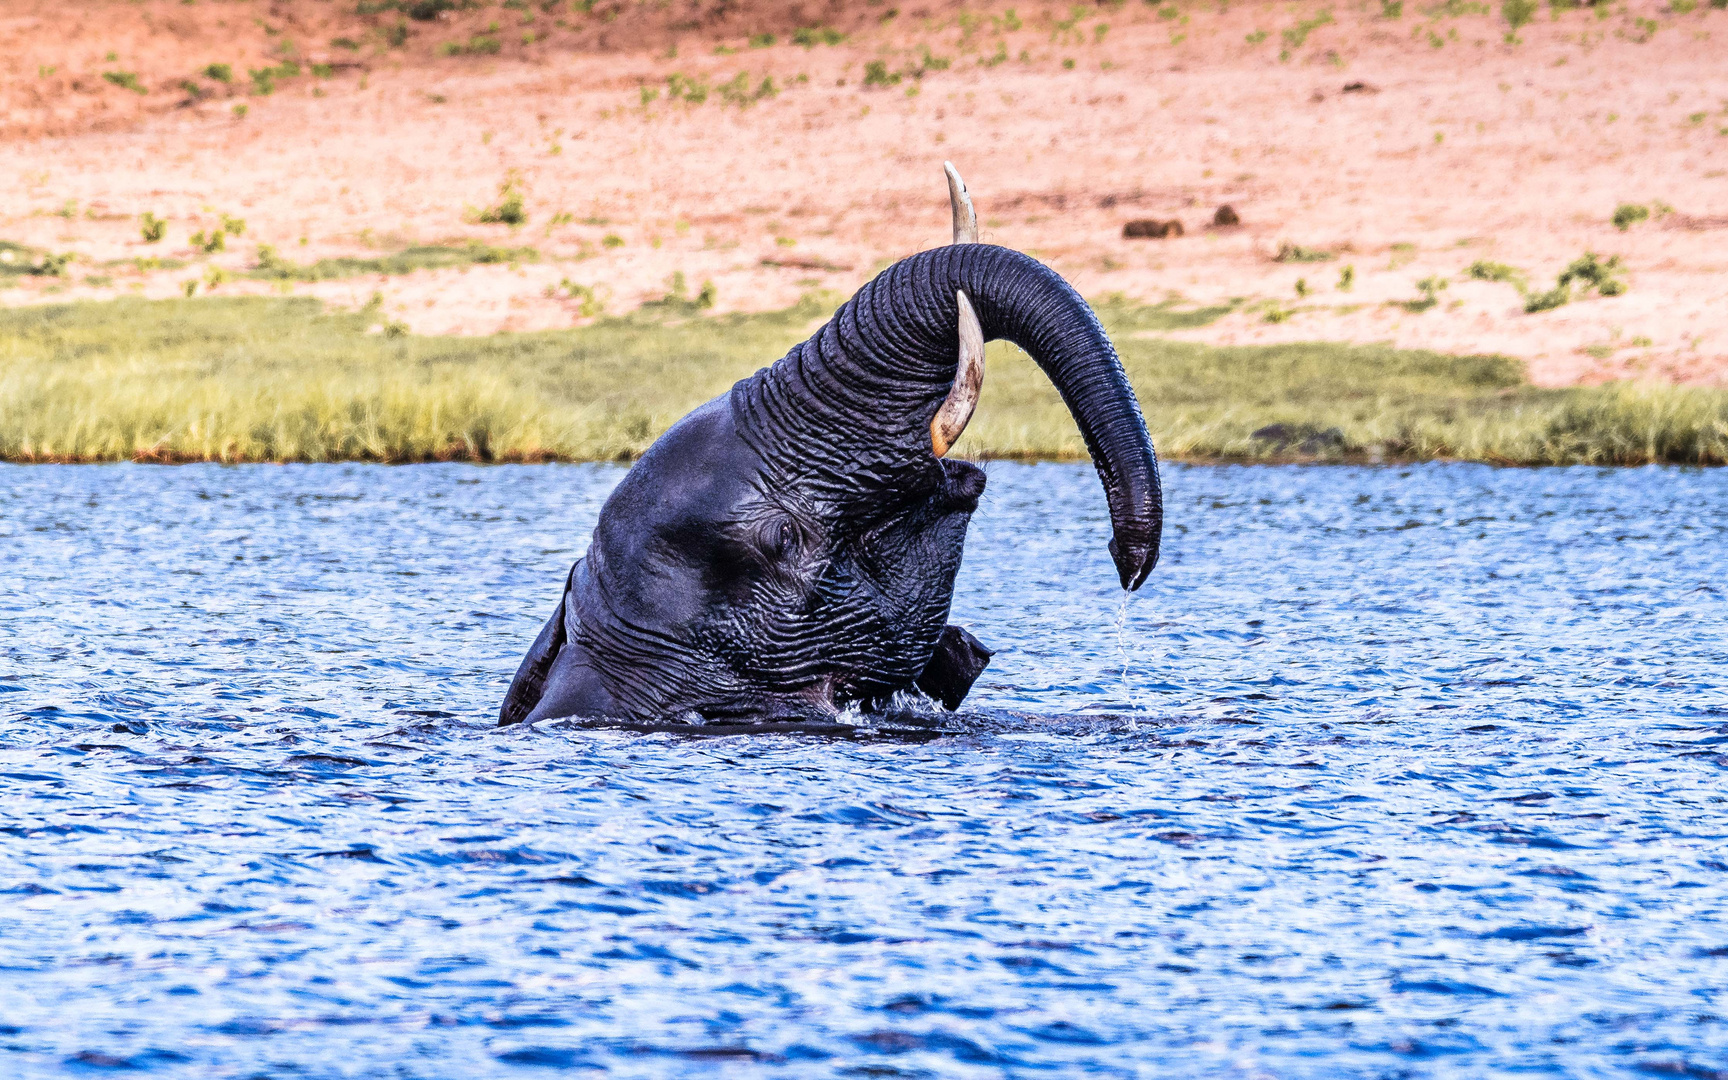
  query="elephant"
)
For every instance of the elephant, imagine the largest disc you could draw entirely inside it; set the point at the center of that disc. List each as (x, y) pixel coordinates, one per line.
(789, 549)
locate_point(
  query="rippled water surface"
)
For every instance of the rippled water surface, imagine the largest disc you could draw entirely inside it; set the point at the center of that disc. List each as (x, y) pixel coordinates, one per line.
(1386, 772)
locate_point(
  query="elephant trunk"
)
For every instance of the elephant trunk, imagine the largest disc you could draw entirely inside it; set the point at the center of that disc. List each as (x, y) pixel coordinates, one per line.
(849, 411)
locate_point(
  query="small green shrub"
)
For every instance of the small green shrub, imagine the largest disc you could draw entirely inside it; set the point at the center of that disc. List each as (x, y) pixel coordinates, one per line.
(1627, 215)
(20, 260)
(126, 80)
(510, 209)
(222, 73)
(1295, 253)
(210, 242)
(1296, 35)
(267, 259)
(1547, 301)
(739, 92)
(1430, 288)
(591, 304)
(681, 87)
(1347, 279)
(812, 36)
(1587, 272)
(677, 301)
(1483, 270)
(152, 228)
(1591, 272)
(1517, 14)
(876, 73)
(931, 62)
(233, 226)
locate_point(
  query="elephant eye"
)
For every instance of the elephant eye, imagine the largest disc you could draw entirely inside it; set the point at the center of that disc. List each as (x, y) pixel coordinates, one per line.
(778, 538)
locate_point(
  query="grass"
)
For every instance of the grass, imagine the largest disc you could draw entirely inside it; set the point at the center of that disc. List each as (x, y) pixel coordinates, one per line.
(279, 379)
(271, 266)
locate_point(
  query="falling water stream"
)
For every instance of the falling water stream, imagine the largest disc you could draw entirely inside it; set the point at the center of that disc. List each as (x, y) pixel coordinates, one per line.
(1385, 772)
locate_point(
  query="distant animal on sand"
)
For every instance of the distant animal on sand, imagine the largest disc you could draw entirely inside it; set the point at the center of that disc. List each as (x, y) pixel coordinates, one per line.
(789, 549)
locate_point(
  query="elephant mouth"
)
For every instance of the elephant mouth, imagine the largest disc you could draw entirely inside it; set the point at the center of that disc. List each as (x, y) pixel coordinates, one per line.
(962, 487)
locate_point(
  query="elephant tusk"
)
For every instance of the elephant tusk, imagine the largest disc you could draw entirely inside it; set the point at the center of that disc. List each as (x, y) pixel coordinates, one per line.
(951, 419)
(965, 218)
(956, 411)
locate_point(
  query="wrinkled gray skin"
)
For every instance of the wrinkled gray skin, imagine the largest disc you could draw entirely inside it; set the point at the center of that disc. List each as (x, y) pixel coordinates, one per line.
(790, 548)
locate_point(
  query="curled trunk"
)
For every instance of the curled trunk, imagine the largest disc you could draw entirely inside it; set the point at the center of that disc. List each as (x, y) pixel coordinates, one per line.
(849, 411)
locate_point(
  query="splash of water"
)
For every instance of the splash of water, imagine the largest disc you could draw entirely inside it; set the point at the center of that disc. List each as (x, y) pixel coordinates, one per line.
(1122, 642)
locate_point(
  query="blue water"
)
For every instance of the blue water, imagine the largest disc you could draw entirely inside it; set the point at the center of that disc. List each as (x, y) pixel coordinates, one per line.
(1389, 772)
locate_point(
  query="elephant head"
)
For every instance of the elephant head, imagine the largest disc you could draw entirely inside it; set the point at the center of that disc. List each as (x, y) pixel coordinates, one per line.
(790, 547)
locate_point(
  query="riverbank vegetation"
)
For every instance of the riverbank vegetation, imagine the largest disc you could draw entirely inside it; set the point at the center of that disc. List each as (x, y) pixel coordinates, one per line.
(280, 379)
